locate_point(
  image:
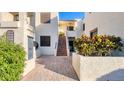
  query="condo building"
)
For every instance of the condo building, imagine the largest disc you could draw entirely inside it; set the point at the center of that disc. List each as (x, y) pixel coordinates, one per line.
(36, 32)
(39, 32)
(19, 28)
(105, 23)
(72, 29)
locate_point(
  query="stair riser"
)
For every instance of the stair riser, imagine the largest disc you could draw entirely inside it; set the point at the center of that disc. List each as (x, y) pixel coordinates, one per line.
(62, 50)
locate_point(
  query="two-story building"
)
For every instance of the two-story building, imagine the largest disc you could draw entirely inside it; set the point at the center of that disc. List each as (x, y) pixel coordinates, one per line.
(72, 29)
(36, 32)
(19, 28)
(109, 23)
(46, 33)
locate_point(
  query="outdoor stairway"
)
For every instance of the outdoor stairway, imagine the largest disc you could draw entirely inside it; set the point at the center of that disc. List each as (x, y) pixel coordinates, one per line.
(62, 49)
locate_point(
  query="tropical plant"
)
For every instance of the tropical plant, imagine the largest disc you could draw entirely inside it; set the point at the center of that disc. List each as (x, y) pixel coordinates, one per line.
(101, 45)
(61, 34)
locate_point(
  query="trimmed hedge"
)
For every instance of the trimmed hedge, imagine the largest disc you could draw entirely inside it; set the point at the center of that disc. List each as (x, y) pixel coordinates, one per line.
(12, 60)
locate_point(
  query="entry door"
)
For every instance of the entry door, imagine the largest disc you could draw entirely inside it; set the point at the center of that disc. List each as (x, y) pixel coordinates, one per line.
(71, 45)
(30, 48)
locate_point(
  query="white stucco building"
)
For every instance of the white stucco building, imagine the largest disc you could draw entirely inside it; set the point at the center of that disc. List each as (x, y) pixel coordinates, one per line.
(72, 29)
(36, 32)
(19, 28)
(46, 25)
(108, 23)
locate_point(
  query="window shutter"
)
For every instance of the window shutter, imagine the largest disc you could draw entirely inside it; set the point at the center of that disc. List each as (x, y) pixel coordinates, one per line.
(10, 35)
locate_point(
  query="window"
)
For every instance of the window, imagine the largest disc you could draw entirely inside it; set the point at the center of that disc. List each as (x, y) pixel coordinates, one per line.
(10, 35)
(70, 28)
(45, 18)
(16, 17)
(84, 27)
(44, 40)
(93, 32)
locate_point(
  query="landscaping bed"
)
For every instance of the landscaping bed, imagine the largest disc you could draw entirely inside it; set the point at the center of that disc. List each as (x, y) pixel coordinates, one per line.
(98, 68)
(95, 58)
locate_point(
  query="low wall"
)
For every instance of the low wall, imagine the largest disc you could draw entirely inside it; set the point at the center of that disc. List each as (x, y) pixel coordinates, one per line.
(29, 65)
(76, 63)
(98, 68)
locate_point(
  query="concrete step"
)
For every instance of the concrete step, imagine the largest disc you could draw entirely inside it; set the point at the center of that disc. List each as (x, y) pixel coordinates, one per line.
(62, 50)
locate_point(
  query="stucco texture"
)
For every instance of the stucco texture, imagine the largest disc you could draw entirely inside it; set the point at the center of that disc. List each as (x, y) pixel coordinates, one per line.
(99, 68)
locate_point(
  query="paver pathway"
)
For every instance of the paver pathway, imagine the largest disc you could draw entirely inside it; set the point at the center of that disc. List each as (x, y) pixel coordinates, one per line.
(52, 68)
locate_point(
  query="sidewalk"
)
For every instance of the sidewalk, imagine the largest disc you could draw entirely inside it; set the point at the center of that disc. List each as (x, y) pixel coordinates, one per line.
(51, 68)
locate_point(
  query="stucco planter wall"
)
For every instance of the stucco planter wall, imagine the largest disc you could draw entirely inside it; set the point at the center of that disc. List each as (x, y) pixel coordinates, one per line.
(98, 68)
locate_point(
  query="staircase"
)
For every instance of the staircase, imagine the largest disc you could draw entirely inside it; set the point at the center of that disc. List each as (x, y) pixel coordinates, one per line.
(62, 49)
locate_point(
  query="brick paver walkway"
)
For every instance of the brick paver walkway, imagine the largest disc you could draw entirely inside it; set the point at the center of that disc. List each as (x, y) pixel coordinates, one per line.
(52, 68)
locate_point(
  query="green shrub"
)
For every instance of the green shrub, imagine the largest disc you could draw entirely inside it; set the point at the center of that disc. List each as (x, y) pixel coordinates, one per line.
(61, 34)
(12, 58)
(98, 45)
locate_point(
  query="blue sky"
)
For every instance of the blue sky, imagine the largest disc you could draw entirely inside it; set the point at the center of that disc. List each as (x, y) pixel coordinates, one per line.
(71, 15)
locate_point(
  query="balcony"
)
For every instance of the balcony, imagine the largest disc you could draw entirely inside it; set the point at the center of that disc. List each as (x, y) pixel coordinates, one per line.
(71, 33)
(10, 24)
(29, 27)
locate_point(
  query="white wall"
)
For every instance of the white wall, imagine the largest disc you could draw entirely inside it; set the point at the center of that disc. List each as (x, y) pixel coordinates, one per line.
(98, 68)
(29, 64)
(47, 30)
(79, 28)
(18, 32)
(76, 63)
(111, 23)
(6, 16)
(20, 37)
(71, 33)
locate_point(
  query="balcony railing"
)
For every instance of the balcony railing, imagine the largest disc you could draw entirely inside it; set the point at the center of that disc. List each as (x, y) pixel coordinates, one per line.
(71, 33)
(29, 27)
(14, 24)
